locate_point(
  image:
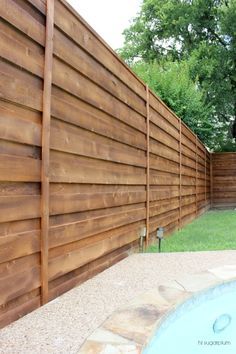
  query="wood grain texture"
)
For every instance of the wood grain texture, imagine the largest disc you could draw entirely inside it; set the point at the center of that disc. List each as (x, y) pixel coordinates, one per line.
(84, 36)
(180, 173)
(88, 156)
(46, 123)
(148, 166)
(19, 18)
(223, 181)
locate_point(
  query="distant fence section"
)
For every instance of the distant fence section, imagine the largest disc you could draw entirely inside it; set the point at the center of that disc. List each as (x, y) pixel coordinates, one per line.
(88, 156)
(223, 180)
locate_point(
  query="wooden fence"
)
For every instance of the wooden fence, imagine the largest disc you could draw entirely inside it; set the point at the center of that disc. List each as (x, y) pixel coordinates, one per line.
(223, 184)
(88, 156)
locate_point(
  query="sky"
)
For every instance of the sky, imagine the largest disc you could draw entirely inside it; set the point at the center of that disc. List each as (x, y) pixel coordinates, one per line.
(108, 18)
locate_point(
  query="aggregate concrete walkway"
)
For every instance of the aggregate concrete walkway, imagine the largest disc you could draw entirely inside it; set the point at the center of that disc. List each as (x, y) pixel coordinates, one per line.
(61, 326)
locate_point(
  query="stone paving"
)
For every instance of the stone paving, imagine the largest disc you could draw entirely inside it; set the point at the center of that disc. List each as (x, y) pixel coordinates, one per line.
(128, 330)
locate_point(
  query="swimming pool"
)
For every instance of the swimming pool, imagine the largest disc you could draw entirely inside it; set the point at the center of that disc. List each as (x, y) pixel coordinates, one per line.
(194, 314)
(204, 324)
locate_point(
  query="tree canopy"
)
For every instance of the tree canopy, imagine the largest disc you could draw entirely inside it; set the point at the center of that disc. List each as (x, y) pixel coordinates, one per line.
(193, 40)
(173, 84)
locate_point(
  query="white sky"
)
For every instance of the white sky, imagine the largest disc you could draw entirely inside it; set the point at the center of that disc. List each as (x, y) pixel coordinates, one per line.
(108, 18)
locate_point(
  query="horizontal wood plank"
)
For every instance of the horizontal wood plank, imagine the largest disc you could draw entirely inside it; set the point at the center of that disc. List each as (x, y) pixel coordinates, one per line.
(75, 169)
(64, 137)
(15, 168)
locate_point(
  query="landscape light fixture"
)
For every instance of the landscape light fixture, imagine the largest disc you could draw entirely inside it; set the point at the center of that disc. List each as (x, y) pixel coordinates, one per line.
(160, 236)
(142, 235)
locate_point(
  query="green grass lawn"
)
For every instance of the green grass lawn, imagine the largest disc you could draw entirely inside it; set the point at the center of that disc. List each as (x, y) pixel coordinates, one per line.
(215, 230)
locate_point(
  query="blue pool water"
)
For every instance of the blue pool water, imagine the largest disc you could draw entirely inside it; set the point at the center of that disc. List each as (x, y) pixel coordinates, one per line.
(204, 324)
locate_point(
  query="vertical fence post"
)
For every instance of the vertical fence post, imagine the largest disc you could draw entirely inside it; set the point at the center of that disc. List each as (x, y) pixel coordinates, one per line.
(211, 179)
(180, 174)
(148, 164)
(205, 178)
(46, 117)
(196, 156)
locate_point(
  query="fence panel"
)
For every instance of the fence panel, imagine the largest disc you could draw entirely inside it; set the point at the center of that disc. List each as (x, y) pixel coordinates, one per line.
(224, 180)
(88, 156)
(22, 65)
(164, 167)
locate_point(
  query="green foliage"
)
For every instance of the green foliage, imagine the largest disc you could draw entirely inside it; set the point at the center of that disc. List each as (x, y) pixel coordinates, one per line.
(173, 84)
(214, 230)
(201, 33)
(226, 145)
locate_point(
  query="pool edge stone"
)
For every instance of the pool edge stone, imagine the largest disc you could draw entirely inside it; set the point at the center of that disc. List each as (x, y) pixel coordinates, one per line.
(130, 328)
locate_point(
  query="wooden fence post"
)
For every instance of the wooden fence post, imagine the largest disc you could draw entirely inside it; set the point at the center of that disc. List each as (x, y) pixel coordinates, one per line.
(211, 179)
(205, 178)
(46, 118)
(180, 174)
(148, 163)
(196, 157)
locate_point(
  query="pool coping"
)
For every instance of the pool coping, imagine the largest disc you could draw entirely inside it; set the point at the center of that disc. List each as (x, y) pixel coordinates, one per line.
(129, 329)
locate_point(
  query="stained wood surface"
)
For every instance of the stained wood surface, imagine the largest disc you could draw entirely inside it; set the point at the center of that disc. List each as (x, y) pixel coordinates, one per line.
(46, 125)
(223, 177)
(88, 156)
(147, 165)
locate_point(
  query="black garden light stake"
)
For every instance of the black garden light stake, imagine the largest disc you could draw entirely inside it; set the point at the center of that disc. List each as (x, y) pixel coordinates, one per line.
(160, 236)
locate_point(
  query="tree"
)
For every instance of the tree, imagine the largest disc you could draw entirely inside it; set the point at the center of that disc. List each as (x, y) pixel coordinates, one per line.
(173, 84)
(202, 32)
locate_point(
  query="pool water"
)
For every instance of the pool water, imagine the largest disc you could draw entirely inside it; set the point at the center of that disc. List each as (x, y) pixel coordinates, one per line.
(204, 324)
